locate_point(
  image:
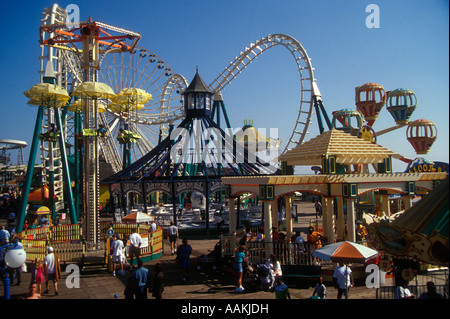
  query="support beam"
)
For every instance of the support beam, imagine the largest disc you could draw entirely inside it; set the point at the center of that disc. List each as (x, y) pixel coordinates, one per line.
(340, 226)
(268, 227)
(385, 207)
(232, 219)
(330, 220)
(351, 231)
(67, 178)
(275, 214)
(407, 201)
(30, 169)
(324, 215)
(289, 221)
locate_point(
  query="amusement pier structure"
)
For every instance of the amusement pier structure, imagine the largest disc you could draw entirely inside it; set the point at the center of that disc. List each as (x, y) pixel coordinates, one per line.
(107, 108)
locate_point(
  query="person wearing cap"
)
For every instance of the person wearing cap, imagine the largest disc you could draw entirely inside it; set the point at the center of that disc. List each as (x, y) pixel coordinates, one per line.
(52, 270)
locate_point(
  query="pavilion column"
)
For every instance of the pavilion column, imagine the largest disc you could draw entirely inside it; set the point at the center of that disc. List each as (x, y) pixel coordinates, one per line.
(385, 207)
(407, 201)
(289, 224)
(330, 221)
(351, 232)
(232, 219)
(275, 213)
(268, 228)
(340, 226)
(324, 216)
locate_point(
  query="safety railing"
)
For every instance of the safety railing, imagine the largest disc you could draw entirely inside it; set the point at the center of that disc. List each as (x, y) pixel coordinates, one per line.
(66, 241)
(389, 292)
(152, 241)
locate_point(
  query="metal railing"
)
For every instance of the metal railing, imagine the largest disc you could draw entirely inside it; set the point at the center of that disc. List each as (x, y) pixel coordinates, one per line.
(389, 292)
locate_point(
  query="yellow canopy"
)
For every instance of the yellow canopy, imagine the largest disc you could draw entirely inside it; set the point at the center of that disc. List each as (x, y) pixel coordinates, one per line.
(130, 99)
(94, 90)
(47, 95)
(77, 106)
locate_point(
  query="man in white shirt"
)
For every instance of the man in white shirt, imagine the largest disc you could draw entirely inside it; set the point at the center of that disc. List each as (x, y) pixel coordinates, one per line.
(173, 236)
(51, 267)
(402, 292)
(118, 256)
(135, 247)
(343, 279)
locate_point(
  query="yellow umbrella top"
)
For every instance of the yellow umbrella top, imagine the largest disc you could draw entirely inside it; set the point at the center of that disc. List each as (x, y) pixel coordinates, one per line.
(48, 95)
(124, 107)
(94, 90)
(131, 98)
(77, 106)
(46, 103)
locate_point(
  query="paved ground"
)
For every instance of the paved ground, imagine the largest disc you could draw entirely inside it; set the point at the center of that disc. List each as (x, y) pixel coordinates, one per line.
(203, 284)
(96, 283)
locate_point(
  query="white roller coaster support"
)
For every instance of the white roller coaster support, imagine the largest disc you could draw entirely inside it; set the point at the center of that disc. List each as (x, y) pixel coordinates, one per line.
(308, 86)
(50, 152)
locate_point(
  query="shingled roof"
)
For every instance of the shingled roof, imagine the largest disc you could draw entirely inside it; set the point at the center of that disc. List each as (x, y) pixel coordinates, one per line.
(347, 149)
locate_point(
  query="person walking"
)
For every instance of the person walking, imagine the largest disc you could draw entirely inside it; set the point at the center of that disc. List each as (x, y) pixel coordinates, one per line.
(343, 280)
(135, 247)
(184, 258)
(37, 274)
(52, 270)
(158, 282)
(173, 237)
(239, 259)
(140, 280)
(318, 207)
(118, 255)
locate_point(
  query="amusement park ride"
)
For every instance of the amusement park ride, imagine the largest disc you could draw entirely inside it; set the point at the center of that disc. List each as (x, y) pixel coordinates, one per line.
(104, 97)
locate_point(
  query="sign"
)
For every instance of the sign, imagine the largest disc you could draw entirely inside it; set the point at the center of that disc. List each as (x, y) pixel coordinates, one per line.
(421, 165)
(144, 242)
(110, 232)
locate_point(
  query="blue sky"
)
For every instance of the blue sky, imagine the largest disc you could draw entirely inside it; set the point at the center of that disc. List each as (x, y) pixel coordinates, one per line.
(409, 50)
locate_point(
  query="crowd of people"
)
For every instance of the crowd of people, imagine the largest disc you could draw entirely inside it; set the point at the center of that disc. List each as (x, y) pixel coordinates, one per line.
(139, 282)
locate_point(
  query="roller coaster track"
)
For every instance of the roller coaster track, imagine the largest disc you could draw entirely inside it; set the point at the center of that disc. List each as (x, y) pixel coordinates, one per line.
(309, 90)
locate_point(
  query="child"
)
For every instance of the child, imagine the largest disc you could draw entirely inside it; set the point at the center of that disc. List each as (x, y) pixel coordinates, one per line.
(320, 290)
(37, 273)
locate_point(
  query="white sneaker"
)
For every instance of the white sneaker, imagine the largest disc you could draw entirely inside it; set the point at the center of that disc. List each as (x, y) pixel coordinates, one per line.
(113, 273)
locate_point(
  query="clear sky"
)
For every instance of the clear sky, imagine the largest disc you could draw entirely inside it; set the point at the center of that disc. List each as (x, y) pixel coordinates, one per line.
(410, 49)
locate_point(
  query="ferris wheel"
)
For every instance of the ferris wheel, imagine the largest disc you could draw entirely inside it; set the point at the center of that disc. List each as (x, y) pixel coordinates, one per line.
(144, 70)
(139, 68)
(309, 93)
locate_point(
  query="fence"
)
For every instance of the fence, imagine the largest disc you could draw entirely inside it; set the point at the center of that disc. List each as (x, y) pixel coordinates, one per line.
(66, 241)
(286, 253)
(388, 292)
(152, 241)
